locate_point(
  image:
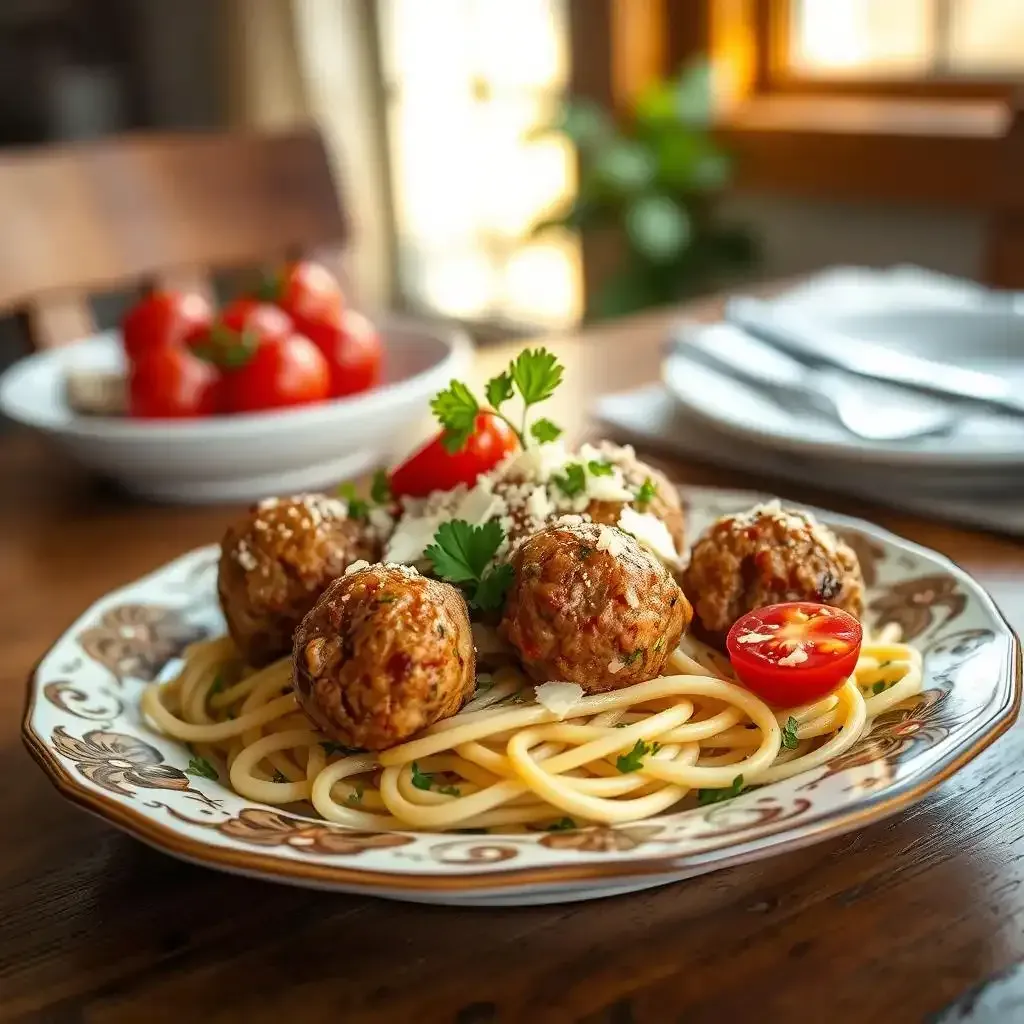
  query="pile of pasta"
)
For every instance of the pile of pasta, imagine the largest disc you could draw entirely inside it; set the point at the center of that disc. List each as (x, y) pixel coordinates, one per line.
(506, 761)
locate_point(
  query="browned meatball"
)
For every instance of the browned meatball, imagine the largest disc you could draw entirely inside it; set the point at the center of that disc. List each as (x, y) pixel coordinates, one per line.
(766, 556)
(277, 561)
(589, 605)
(665, 503)
(383, 654)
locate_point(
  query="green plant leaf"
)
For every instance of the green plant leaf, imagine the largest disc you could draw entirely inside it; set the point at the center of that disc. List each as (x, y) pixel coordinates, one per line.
(658, 227)
(656, 105)
(625, 167)
(694, 96)
(583, 122)
(631, 289)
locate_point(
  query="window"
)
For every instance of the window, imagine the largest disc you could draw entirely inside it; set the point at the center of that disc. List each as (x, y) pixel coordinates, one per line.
(908, 39)
(466, 83)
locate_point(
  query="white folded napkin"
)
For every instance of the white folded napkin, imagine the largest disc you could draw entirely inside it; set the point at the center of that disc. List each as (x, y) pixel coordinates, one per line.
(650, 417)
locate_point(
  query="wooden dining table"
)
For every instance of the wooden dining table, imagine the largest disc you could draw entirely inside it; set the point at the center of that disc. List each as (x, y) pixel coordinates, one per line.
(919, 917)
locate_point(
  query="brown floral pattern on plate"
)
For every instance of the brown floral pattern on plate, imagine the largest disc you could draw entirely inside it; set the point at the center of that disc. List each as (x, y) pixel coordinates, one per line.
(93, 707)
(264, 827)
(602, 839)
(912, 604)
(136, 641)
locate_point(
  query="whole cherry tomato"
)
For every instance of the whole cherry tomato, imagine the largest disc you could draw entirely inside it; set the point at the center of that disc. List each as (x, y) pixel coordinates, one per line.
(241, 328)
(170, 382)
(281, 372)
(305, 291)
(434, 468)
(794, 653)
(352, 348)
(164, 318)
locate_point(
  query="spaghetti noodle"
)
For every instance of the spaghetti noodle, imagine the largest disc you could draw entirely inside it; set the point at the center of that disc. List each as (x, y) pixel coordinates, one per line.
(507, 762)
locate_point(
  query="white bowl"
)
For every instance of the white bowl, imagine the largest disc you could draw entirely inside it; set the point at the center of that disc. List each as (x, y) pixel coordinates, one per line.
(240, 458)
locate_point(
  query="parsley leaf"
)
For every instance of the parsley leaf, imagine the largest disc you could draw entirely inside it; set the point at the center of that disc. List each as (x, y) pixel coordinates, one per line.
(279, 776)
(456, 410)
(536, 374)
(332, 747)
(421, 780)
(599, 468)
(562, 825)
(715, 796)
(789, 736)
(380, 489)
(628, 659)
(460, 552)
(201, 767)
(358, 508)
(647, 493)
(544, 430)
(355, 798)
(573, 481)
(449, 790)
(879, 686)
(490, 592)
(218, 684)
(634, 760)
(499, 390)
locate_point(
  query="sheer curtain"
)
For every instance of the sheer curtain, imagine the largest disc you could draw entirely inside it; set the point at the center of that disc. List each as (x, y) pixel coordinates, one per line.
(292, 62)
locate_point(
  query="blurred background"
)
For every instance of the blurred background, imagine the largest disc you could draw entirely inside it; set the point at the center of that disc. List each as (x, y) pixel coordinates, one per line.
(525, 164)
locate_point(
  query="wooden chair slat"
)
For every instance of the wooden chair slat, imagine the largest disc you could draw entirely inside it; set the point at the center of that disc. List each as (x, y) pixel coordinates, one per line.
(58, 319)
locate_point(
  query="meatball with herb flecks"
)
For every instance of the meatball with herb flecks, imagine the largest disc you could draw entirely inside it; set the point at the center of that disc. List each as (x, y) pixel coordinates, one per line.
(277, 561)
(384, 653)
(589, 605)
(766, 556)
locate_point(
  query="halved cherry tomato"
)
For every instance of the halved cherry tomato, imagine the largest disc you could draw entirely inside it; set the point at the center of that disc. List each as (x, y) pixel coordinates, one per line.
(282, 372)
(433, 468)
(305, 291)
(171, 383)
(164, 318)
(351, 346)
(796, 653)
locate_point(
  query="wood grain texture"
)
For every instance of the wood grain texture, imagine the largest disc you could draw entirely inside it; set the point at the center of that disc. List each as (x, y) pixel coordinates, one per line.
(892, 923)
(94, 217)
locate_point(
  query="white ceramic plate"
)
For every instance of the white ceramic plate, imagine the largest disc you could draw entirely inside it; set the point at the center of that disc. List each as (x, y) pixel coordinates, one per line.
(980, 337)
(83, 727)
(240, 458)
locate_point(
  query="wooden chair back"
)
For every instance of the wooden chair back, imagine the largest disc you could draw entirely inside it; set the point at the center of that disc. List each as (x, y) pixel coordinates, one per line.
(1004, 242)
(155, 210)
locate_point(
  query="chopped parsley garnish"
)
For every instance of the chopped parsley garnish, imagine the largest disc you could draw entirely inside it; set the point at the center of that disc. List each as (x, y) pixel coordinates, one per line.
(628, 659)
(449, 790)
(280, 776)
(332, 747)
(647, 493)
(598, 468)
(789, 736)
(544, 430)
(386, 598)
(573, 481)
(584, 552)
(358, 508)
(562, 825)
(634, 760)
(201, 767)
(218, 685)
(879, 686)
(659, 643)
(715, 796)
(462, 553)
(380, 489)
(534, 374)
(421, 780)
(355, 798)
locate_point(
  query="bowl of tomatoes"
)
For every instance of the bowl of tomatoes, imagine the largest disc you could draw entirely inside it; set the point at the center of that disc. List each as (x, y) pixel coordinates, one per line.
(286, 389)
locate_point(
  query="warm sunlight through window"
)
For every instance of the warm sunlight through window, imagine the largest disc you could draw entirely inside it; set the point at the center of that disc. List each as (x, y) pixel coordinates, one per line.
(468, 80)
(906, 38)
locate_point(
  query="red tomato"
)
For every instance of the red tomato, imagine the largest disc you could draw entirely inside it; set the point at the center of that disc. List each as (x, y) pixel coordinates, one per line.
(352, 348)
(433, 468)
(282, 372)
(171, 383)
(164, 318)
(796, 653)
(306, 291)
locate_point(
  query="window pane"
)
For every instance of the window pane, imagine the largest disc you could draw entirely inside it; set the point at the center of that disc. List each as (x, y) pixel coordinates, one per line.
(862, 38)
(456, 282)
(522, 43)
(543, 283)
(427, 45)
(986, 36)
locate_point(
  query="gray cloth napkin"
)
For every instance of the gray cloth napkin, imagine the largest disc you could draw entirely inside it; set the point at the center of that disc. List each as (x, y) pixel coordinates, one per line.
(649, 416)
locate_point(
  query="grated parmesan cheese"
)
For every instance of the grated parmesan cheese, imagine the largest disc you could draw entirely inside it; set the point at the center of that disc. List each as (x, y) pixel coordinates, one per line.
(610, 539)
(650, 532)
(559, 698)
(795, 657)
(358, 566)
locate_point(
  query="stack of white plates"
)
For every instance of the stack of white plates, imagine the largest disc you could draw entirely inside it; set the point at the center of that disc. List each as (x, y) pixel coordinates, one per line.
(971, 473)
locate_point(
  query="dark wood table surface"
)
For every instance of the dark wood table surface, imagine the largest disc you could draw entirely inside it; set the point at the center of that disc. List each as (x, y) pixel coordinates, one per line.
(920, 915)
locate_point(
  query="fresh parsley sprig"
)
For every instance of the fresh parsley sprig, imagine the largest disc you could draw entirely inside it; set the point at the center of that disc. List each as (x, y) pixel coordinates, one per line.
(534, 374)
(425, 780)
(790, 740)
(634, 760)
(202, 768)
(359, 508)
(715, 796)
(462, 554)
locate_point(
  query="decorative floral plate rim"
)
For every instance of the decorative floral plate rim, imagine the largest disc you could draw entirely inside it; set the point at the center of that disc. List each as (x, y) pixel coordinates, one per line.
(124, 777)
